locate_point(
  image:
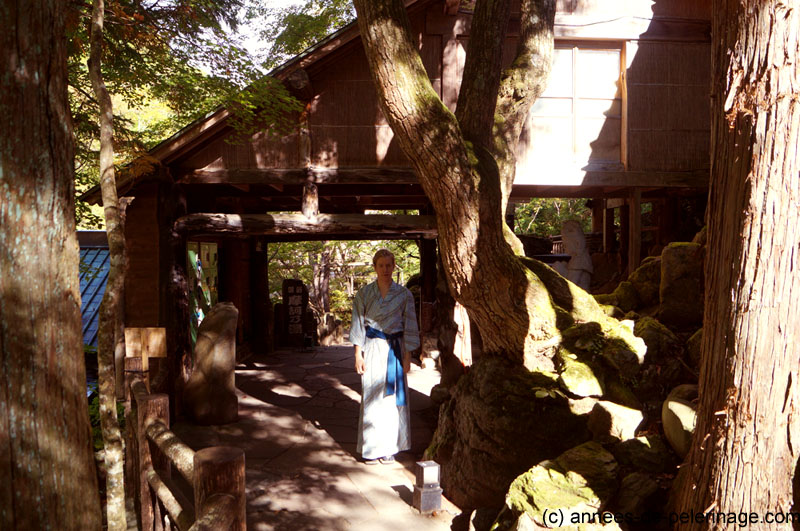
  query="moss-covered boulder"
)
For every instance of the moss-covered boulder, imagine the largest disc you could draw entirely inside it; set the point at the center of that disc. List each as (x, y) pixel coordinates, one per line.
(582, 479)
(501, 420)
(681, 290)
(578, 377)
(661, 342)
(646, 280)
(636, 493)
(615, 344)
(693, 349)
(647, 453)
(702, 236)
(610, 422)
(625, 297)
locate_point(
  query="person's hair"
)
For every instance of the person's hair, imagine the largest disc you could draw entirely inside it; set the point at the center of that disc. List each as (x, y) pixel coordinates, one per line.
(383, 253)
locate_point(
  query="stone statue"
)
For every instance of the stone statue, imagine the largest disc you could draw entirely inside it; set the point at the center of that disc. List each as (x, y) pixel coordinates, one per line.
(210, 394)
(579, 268)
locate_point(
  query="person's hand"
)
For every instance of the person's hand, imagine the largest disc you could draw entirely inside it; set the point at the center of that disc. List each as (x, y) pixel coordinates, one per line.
(361, 366)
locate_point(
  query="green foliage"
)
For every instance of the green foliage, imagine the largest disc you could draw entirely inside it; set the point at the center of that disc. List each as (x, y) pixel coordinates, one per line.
(543, 217)
(293, 29)
(94, 419)
(181, 54)
(350, 268)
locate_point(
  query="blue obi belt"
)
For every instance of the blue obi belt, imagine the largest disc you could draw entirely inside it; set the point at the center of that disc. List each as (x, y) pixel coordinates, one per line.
(395, 381)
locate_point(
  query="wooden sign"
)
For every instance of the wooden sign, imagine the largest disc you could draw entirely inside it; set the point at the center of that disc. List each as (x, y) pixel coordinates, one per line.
(146, 343)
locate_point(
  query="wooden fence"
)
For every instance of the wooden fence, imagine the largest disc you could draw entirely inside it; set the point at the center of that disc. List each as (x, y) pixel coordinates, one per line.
(215, 476)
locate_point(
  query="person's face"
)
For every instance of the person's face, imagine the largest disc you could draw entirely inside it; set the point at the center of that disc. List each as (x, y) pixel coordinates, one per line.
(384, 267)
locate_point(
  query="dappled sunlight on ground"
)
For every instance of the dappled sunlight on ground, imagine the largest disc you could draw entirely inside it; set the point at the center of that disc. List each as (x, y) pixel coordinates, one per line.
(298, 421)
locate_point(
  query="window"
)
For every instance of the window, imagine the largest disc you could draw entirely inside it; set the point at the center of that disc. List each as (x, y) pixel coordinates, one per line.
(577, 121)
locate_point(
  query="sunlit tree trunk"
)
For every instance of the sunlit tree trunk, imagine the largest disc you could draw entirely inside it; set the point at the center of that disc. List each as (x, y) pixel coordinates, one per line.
(465, 162)
(110, 332)
(747, 437)
(47, 471)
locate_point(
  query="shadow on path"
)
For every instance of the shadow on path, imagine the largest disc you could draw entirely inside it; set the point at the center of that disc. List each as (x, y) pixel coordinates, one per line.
(298, 421)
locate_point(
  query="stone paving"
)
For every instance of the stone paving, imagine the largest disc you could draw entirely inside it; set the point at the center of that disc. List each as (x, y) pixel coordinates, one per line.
(298, 421)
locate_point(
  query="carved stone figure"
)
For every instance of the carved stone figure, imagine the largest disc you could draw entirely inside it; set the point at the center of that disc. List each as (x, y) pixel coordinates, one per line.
(579, 268)
(210, 394)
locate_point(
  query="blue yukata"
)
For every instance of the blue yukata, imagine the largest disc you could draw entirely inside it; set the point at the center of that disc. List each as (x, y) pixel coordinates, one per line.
(383, 425)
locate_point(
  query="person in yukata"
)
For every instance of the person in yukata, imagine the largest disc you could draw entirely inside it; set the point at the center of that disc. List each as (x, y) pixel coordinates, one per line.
(384, 331)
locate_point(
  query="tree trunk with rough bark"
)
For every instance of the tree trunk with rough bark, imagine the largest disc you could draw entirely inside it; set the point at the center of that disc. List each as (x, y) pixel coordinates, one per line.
(111, 340)
(46, 462)
(747, 437)
(466, 164)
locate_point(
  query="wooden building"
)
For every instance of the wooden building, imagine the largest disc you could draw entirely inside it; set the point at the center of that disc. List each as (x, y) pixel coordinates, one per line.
(625, 120)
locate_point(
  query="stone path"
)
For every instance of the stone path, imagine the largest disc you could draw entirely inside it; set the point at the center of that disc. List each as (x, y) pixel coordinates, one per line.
(298, 420)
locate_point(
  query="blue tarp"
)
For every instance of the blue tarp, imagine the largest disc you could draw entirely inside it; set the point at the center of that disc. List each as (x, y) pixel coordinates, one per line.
(94, 274)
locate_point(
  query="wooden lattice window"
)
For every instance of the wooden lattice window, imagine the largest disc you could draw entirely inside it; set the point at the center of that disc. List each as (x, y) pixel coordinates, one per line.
(577, 121)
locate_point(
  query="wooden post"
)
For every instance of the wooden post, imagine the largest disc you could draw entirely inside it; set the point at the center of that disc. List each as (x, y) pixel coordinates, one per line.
(220, 470)
(598, 208)
(148, 408)
(635, 230)
(427, 258)
(624, 234)
(260, 303)
(609, 231)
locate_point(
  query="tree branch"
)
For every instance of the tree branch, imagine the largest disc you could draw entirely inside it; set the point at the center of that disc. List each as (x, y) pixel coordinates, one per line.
(428, 132)
(481, 79)
(111, 343)
(522, 84)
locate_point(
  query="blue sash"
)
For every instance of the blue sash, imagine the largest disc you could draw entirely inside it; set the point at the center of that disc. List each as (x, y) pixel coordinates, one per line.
(394, 366)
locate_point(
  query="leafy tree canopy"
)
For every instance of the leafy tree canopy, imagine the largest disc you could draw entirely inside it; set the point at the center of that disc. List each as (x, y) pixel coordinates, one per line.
(181, 53)
(544, 216)
(290, 30)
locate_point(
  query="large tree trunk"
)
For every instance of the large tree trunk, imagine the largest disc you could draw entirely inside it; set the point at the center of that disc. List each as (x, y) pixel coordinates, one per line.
(746, 441)
(111, 340)
(464, 170)
(46, 462)
(496, 424)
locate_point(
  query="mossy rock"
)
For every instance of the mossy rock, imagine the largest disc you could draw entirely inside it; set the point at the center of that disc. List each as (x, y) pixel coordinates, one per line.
(581, 305)
(693, 349)
(610, 422)
(646, 280)
(625, 297)
(661, 342)
(582, 479)
(620, 393)
(500, 421)
(577, 377)
(636, 494)
(648, 453)
(702, 236)
(682, 284)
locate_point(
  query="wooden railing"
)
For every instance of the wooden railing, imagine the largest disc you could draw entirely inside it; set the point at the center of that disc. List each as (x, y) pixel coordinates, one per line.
(214, 475)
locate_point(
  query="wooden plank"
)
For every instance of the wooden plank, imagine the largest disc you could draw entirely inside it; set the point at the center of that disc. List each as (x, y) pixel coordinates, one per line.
(146, 342)
(287, 224)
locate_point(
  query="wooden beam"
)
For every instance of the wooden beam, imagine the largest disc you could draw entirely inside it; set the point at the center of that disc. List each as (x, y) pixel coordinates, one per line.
(567, 177)
(279, 176)
(366, 226)
(566, 180)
